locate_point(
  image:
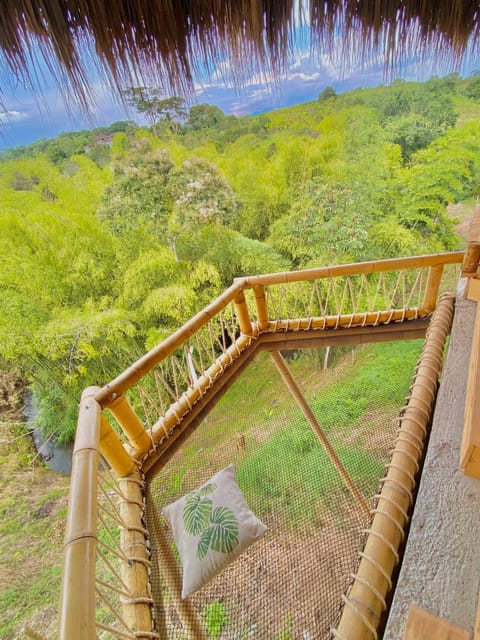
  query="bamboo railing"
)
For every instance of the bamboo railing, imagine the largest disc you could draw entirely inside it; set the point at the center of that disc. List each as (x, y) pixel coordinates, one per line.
(163, 396)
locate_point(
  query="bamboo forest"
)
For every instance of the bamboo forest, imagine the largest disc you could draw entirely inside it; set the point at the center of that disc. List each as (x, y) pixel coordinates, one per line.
(112, 237)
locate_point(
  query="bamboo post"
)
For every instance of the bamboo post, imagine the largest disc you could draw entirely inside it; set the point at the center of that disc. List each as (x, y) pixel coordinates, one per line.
(77, 605)
(243, 315)
(302, 403)
(170, 570)
(131, 424)
(434, 278)
(137, 611)
(366, 599)
(470, 446)
(472, 253)
(261, 304)
(112, 450)
(470, 261)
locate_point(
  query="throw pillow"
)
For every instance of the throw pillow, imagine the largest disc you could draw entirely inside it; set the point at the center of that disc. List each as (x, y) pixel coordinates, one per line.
(211, 526)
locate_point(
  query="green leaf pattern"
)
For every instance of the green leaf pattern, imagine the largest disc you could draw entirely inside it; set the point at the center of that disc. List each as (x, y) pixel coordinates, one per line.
(217, 528)
(204, 543)
(224, 528)
(196, 514)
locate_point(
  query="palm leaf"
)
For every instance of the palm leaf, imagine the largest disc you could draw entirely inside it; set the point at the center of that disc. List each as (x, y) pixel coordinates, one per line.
(208, 488)
(224, 528)
(196, 513)
(204, 543)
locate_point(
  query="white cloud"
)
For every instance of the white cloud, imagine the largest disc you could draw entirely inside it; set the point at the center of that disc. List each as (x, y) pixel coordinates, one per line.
(13, 116)
(305, 77)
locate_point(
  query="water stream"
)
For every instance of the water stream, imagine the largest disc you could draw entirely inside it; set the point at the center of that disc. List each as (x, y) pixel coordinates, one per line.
(57, 457)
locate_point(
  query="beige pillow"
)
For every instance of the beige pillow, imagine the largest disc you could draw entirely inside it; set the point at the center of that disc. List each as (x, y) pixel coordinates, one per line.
(211, 527)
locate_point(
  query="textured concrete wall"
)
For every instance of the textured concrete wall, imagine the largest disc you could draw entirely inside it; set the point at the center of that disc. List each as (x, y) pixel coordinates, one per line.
(441, 565)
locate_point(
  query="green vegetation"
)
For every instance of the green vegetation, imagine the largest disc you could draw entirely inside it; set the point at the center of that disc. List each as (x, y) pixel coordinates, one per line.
(287, 632)
(342, 406)
(111, 239)
(284, 471)
(290, 475)
(32, 509)
(215, 617)
(287, 464)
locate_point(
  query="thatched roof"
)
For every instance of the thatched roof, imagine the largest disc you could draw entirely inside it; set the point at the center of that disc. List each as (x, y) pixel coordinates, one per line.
(165, 42)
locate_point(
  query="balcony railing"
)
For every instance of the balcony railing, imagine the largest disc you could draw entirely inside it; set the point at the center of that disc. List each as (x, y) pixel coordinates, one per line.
(136, 422)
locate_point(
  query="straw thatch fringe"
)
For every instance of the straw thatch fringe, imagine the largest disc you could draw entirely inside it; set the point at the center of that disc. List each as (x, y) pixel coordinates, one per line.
(167, 42)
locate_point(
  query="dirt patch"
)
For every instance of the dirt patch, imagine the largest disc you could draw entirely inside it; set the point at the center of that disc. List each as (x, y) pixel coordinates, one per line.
(462, 214)
(375, 433)
(12, 387)
(287, 585)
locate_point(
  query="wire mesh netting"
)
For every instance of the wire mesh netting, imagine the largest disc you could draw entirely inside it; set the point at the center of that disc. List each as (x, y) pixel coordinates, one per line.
(289, 583)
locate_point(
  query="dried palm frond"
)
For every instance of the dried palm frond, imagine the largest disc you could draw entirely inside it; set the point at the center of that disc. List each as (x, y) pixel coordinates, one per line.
(168, 42)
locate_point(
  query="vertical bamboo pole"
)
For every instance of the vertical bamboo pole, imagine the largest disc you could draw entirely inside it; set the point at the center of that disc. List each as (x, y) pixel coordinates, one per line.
(261, 304)
(470, 446)
(302, 403)
(433, 286)
(366, 599)
(470, 261)
(472, 253)
(137, 611)
(170, 570)
(476, 631)
(112, 450)
(243, 314)
(131, 424)
(77, 605)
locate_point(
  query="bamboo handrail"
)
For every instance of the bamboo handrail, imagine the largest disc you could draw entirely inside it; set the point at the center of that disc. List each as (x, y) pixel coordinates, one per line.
(366, 599)
(110, 392)
(77, 619)
(353, 269)
(184, 404)
(345, 320)
(77, 607)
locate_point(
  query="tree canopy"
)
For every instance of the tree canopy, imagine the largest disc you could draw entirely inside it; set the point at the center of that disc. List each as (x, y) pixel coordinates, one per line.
(112, 238)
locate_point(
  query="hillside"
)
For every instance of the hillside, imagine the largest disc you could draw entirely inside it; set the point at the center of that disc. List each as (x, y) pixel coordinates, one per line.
(113, 238)
(101, 230)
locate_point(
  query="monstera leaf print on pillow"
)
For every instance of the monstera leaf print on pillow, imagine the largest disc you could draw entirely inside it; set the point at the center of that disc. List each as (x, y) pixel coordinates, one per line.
(212, 526)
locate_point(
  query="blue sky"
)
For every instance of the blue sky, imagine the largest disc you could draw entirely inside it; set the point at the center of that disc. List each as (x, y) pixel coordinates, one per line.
(26, 116)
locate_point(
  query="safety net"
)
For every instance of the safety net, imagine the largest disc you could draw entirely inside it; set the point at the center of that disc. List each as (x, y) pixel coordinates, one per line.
(289, 583)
